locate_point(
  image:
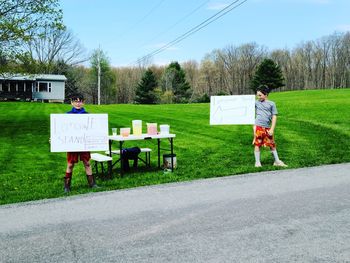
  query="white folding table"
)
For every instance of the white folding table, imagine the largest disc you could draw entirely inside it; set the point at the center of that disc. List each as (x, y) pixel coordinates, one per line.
(158, 137)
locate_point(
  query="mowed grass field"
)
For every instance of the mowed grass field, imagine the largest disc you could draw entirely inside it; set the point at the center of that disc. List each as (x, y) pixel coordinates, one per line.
(313, 128)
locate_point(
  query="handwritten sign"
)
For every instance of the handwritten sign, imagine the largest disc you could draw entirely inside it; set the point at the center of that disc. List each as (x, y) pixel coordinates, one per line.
(236, 109)
(79, 132)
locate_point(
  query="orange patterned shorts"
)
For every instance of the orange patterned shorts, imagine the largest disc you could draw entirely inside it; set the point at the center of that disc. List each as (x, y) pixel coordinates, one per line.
(262, 137)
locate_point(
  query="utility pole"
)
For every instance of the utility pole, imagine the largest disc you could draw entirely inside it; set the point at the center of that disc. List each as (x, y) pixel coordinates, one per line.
(99, 76)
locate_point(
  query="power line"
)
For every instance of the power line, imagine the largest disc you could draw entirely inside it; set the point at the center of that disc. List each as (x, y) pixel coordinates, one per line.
(143, 18)
(179, 21)
(195, 29)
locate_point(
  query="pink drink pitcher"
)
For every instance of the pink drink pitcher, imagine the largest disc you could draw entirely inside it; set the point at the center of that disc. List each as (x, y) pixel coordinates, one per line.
(152, 129)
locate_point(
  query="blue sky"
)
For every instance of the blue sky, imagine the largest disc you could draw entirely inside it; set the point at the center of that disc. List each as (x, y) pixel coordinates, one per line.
(127, 30)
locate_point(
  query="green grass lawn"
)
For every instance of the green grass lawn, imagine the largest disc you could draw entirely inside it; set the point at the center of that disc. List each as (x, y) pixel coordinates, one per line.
(313, 128)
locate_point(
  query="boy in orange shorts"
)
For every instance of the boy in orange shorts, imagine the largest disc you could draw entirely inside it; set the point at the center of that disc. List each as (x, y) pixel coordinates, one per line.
(265, 123)
(77, 101)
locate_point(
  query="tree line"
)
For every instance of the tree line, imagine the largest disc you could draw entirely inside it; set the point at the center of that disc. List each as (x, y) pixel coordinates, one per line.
(319, 64)
(33, 39)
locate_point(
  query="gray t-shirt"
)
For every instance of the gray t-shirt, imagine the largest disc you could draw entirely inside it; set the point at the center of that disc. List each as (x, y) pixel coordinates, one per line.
(264, 110)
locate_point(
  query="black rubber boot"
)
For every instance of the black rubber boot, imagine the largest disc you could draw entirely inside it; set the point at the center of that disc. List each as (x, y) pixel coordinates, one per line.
(67, 181)
(91, 181)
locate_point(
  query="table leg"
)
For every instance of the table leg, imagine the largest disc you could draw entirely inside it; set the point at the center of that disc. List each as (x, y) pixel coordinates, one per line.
(121, 159)
(158, 153)
(110, 164)
(172, 154)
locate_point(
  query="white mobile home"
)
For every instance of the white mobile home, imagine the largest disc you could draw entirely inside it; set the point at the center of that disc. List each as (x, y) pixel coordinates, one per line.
(37, 87)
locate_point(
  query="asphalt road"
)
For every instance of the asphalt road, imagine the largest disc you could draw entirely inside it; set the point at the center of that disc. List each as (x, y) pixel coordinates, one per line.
(300, 215)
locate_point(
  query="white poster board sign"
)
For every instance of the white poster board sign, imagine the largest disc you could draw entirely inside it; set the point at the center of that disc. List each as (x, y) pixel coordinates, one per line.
(78, 132)
(235, 109)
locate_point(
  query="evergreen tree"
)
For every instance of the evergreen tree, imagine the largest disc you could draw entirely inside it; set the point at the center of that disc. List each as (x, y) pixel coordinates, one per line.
(145, 93)
(175, 78)
(268, 73)
(71, 86)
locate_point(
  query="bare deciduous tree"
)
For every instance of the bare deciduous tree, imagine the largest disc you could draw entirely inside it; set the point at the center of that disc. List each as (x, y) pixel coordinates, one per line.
(56, 45)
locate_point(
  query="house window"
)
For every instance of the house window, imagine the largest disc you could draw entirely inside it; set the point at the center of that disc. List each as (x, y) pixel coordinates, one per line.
(20, 87)
(43, 86)
(13, 87)
(5, 87)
